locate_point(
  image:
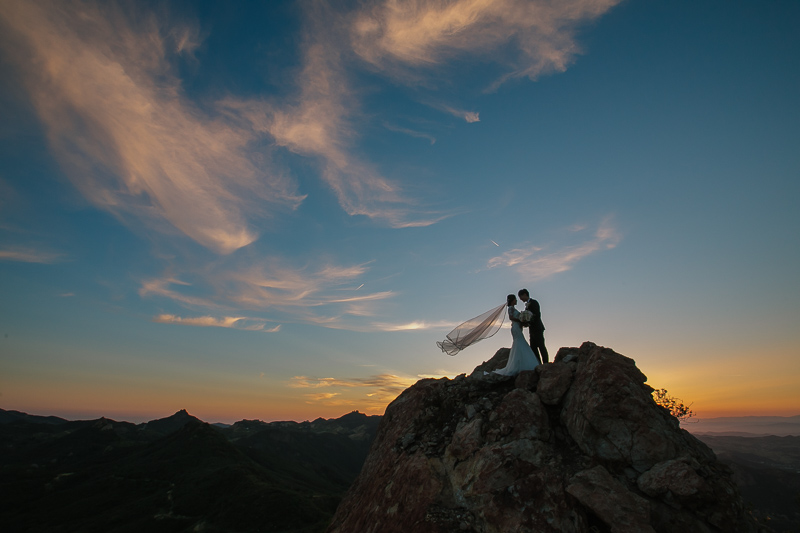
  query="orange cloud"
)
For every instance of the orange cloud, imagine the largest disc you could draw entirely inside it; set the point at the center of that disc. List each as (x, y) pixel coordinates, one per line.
(411, 326)
(372, 393)
(123, 130)
(243, 323)
(321, 295)
(403, 37)
(318, 125)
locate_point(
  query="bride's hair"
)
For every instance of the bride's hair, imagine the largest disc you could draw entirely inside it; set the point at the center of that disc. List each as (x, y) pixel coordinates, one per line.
(510, 298)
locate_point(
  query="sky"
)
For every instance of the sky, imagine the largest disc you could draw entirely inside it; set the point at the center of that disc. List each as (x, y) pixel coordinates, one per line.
(273, 210)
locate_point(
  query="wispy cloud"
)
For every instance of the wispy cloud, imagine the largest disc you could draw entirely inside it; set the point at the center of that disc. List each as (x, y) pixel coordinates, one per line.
(318, 125)
(166, 287)
(469, 116)
(325, 295)
(121, 126)
(513, 257)
(410, 38)
(412, 326)
(243, 323)
(373, 391)
(402, 39)
(410, 132)
(103, 79)
(29, 255)
(537, 262)
(103, 82)
(380, 381)
(274, 285)
(321, 396)
(320, 295)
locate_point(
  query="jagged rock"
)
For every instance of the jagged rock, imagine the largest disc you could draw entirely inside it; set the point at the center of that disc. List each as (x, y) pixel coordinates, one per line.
(623, 510)
(527, 379)
(521, 415)
(499, 360)
(676, 476)
(578, 445)
(554, 381)
(466, 440)
(610, 413)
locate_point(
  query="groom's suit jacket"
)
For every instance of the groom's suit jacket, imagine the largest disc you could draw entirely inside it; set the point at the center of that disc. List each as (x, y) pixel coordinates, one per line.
(536, 324)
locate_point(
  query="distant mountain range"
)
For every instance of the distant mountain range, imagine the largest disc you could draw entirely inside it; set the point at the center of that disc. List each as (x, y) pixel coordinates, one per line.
(177, 473)
(767, 471)
(745, 426)
(14, 416)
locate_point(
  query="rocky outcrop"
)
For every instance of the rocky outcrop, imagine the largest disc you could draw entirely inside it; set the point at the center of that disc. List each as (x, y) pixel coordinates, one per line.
(576, 445)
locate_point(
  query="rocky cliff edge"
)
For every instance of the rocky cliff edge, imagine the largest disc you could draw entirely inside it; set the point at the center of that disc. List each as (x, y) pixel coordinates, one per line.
(576, 445)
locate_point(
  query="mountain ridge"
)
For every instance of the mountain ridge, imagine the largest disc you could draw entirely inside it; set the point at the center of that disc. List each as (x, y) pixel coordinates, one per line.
(10, 415)
(695, 426)
(318, 458)
(780, 426)
(177, 474)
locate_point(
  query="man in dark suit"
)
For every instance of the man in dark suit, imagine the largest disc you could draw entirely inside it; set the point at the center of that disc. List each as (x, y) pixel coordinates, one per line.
(535, 326)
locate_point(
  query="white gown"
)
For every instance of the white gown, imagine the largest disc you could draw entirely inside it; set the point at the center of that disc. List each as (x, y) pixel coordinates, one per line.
(521, 356)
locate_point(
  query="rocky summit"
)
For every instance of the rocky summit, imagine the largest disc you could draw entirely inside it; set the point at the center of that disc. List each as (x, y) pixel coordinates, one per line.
(572, 446)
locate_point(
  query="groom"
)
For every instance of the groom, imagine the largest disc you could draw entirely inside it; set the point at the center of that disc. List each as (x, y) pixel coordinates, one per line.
(536, 326)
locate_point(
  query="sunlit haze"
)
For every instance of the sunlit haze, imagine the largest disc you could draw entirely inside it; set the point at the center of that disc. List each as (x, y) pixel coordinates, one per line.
(273, 210)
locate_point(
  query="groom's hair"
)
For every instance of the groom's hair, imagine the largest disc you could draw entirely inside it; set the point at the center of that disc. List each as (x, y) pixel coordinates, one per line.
(523, 292)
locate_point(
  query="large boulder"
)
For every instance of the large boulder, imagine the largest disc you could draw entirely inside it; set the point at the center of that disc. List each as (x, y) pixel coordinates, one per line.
(576, 445)
(610, 413)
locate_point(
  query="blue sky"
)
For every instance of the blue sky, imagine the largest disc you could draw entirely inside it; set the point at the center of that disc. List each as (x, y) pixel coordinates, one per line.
(274, 210)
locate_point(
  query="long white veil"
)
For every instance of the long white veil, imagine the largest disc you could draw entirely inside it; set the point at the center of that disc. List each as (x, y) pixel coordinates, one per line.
(473, 330)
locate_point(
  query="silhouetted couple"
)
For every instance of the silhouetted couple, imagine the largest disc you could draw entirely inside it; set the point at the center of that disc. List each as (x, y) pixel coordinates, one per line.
(522, 355)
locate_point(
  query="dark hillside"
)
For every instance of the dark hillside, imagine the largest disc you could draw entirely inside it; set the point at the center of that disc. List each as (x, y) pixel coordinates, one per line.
(112, 476)
(177, 473)
(767, 472)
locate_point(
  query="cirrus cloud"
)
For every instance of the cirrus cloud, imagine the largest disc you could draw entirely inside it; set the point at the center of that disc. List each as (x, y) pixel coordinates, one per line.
(372, 392)
(408, 39)
(415, 325)
(242, 323)
(30, 255)
(323, 295)
(123, 129)
(537, 262)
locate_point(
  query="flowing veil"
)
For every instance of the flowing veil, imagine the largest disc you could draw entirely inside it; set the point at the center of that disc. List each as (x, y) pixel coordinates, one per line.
(473, 330)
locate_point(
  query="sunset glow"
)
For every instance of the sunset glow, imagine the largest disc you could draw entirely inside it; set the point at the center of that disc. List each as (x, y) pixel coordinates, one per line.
(274, 210)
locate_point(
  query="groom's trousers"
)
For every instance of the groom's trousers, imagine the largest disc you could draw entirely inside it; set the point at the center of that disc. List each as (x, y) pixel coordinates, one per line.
(538, 347)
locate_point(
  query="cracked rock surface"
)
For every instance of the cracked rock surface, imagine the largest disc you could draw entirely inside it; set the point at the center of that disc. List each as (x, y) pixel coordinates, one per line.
(576, 445)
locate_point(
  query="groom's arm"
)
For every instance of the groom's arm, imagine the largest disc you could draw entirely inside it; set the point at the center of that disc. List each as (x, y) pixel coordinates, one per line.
(534, 308)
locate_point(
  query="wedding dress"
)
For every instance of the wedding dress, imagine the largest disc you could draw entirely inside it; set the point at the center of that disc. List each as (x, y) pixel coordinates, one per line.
(521, 356)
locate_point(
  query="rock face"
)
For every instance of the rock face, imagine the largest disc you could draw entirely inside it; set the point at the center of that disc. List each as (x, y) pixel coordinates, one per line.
(576, 445)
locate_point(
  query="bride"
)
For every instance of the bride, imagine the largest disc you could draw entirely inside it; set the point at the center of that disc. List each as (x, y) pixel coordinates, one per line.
(521, 356)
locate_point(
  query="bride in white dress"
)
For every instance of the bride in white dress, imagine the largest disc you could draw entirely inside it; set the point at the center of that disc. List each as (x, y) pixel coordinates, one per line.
(521, 356)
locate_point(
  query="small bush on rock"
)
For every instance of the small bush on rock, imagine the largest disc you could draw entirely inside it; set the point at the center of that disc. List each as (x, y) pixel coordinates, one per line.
(674, 405)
